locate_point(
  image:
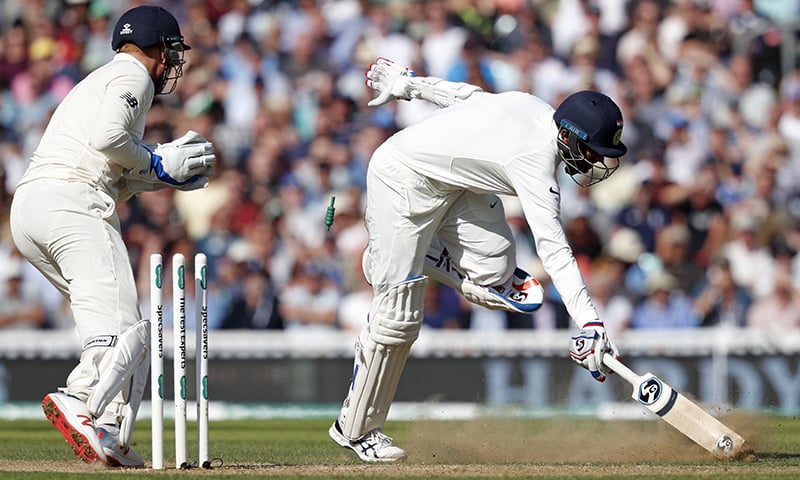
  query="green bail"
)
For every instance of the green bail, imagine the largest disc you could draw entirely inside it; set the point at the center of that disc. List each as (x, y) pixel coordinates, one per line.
(329, 215)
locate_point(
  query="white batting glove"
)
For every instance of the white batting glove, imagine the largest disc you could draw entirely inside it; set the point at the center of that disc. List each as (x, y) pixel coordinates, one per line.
(390, 79)
(587, 348)
(180, 162)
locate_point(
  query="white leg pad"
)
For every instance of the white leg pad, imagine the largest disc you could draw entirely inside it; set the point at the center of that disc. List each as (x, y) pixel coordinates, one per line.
(132, 399)
(381, 354)
(129, 352)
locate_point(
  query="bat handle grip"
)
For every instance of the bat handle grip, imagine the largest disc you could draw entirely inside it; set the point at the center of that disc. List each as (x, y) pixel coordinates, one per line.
(619, 368)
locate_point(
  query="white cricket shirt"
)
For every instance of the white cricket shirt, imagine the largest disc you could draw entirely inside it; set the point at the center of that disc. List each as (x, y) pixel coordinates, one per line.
(96, 132)
(503, 144)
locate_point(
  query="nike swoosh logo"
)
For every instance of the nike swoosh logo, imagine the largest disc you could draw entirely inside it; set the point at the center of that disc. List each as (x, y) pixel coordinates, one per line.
(555, 192)
(494, 204)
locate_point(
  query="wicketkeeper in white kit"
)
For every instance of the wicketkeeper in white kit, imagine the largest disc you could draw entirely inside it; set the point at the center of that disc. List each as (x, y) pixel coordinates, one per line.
(433, 211)
(64, 221)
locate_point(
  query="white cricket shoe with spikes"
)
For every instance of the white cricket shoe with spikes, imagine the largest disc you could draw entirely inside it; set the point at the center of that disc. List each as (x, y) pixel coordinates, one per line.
(375, 446)
(118, 455)
(71, 417)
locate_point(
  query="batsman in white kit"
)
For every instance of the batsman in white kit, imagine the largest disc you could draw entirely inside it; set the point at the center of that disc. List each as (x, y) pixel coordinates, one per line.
(64, 221)
(433, 211)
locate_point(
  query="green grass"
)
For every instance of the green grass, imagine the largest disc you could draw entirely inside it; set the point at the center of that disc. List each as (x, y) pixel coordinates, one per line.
(509, 448)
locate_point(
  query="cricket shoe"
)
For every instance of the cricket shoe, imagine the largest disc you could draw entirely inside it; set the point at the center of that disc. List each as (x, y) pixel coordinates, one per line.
(117, 454)
(71, 417)
(372, 447)
(521, 294)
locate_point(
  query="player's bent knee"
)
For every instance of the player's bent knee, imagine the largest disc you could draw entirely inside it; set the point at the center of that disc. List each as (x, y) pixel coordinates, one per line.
(397, 318)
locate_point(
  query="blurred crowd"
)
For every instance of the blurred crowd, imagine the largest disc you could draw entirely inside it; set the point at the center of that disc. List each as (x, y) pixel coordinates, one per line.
(699, 227)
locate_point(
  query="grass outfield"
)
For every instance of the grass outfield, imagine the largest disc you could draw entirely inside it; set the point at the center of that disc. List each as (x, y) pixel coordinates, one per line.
(489, 448)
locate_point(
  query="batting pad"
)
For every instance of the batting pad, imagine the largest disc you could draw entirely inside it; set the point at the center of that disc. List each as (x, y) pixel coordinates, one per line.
(130, 351)
(381, 355)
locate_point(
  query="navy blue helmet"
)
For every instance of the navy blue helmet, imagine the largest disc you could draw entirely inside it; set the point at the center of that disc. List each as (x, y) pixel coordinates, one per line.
(593, 121)
(148, 25)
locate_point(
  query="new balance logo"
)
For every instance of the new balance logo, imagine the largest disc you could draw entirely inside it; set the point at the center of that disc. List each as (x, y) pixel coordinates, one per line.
(87, 421)
(130, 99)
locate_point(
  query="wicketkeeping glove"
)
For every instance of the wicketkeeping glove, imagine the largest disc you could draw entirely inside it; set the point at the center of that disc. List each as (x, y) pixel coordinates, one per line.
(390, 79)
(179, 162)
(137, 185)
(587, 348)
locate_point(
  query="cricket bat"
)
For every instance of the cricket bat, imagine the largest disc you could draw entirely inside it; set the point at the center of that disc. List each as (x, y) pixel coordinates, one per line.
(677, 410)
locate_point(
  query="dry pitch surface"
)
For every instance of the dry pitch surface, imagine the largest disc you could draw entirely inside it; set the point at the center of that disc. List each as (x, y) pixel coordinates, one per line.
(506, 448)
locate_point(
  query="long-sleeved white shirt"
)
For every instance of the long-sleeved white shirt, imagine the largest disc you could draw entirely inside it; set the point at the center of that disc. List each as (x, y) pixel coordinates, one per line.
(96, 132)
(503, 144)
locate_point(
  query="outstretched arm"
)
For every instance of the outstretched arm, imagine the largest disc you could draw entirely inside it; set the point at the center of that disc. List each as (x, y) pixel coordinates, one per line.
(395, 81)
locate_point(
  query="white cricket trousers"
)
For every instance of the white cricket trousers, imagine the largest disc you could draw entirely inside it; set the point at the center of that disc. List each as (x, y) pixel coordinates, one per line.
(70, 232)
(407, 211)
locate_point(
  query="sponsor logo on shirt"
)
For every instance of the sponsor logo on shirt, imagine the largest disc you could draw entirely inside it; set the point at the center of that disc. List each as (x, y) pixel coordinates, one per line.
(130, 99)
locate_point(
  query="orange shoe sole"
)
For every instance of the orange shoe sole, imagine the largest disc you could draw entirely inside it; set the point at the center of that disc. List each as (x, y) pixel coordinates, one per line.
(79, 443)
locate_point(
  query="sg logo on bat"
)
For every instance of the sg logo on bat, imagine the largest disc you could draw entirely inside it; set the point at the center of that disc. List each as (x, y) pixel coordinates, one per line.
(650, 391)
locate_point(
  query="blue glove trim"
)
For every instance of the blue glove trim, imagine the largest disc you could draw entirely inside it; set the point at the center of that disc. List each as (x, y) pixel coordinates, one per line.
(158, 168)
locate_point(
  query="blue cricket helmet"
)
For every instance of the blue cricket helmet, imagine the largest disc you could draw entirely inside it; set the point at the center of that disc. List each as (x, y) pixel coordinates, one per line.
(595, 119)
(592, 120)
(148, 25)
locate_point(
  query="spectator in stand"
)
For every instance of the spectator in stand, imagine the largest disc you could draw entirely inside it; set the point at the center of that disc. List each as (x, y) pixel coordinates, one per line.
(615, 308)
(665, 306)
(257, 305)
(310, 300)
(623, 264)
(583, 71)
(779, 310)
(584, 240)
(672, 249)
(443, 308)
(641, 39)
(751, 263)
(789, 115)
(697, 206)
(443, 41)
(14, 53)
(720, 301)
(21, 307)
(644, 215)
(542, 69)
(355, 305)
(379, 34)
(273, 88)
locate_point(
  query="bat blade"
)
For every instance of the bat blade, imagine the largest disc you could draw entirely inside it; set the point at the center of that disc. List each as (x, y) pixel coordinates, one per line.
(683, 414)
